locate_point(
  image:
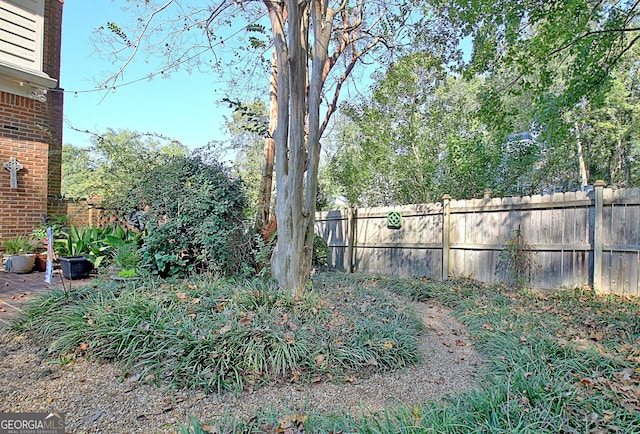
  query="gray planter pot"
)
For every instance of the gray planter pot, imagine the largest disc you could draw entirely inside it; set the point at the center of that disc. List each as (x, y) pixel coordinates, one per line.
(22, 263)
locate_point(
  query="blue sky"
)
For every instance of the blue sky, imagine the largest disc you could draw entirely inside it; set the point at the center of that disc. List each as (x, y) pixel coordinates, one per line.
(184, 106)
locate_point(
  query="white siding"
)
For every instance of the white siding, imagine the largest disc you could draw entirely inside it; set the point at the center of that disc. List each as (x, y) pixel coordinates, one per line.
(21, 33)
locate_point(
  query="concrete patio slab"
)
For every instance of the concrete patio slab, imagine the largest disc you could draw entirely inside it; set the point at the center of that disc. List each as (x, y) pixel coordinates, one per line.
(17, 289)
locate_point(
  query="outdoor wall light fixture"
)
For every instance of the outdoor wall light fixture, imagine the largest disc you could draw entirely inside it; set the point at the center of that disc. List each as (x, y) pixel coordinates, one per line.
(38, 93)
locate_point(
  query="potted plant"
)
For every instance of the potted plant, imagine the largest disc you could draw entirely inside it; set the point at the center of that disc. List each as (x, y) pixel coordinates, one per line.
(71, 249)
(20, 251)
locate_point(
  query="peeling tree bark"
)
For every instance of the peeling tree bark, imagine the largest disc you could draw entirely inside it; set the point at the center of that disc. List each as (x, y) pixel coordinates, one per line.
(264, 219)
(299, 128)
(297, 133)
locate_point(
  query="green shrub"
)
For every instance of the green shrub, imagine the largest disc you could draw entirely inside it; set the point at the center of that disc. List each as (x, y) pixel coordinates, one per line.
(97, 244)
(320, 256)
(516, 262)
(194, 217)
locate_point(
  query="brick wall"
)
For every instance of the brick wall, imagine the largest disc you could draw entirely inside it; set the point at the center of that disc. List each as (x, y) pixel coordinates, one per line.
(31, 132)
(86, 213)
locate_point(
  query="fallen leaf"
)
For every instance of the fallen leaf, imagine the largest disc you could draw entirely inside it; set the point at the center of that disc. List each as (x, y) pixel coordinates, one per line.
(488, 326)
(320, 359)
(625, 376)
(352, 380)
(459, 343)
(415, 413)
(245, 321)
(609, 415)
(225, 329)
(388, 345)
(446, 344)
(289, 338)
(596, 336)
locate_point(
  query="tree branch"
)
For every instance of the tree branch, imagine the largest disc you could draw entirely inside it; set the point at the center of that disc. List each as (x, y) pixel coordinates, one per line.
(136, 46)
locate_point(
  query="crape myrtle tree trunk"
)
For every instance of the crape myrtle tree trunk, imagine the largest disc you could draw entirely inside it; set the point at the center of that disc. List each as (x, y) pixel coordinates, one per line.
(316, 44)
(297, 136)
(302, 34)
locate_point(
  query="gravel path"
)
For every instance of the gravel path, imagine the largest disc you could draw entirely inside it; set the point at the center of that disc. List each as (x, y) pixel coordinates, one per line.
(97, 400)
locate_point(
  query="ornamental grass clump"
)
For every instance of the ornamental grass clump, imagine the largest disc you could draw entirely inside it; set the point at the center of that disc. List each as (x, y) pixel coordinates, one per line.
(563, 361)
(217, 334)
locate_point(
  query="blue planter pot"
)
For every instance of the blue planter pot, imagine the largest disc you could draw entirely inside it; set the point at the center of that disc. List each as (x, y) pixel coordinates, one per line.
(75, 267)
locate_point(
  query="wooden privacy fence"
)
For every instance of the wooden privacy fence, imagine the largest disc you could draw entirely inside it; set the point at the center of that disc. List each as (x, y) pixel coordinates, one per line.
(572, 239)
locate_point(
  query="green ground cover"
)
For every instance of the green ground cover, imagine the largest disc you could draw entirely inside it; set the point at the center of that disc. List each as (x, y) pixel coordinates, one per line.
(558, 361)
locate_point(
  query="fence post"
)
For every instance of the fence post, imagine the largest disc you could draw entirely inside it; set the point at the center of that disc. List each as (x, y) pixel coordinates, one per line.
(351, 226)
(598, 241)
(446, 221)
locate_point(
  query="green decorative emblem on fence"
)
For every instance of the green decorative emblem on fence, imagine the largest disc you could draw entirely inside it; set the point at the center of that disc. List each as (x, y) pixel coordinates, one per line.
(394, 220)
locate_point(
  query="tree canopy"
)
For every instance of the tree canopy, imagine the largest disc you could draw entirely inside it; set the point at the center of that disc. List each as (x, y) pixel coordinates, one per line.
(115, 161)
(548, 99)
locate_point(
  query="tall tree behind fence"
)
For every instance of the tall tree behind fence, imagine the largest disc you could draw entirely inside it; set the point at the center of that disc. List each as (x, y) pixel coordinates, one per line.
(571, 238)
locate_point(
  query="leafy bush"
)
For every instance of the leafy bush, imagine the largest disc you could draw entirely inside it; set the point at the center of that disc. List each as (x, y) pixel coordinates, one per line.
(516, 262)
(194, 217)
(320, 255)
(126, 256)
